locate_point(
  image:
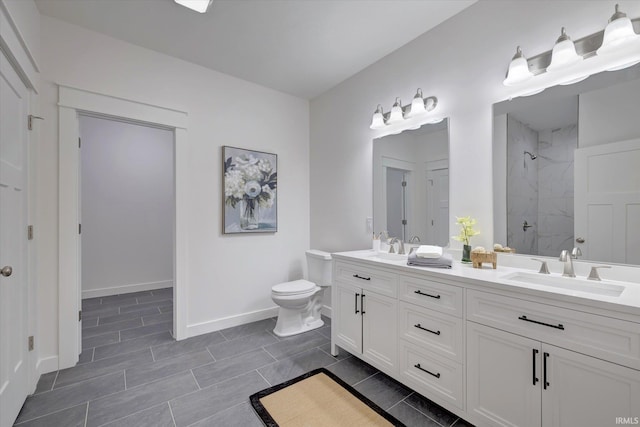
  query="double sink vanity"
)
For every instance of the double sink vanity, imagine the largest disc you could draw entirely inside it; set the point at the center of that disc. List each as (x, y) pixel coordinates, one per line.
(511, 346)
(503, 347)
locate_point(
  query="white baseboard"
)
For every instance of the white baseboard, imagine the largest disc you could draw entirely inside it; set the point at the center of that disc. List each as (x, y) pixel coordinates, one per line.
(47, 364)
(228, 322)
(126, 289)
(326, 311)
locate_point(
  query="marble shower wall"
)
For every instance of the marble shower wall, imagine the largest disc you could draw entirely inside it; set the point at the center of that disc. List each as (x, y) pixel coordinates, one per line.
(555, 189)
(522, 187)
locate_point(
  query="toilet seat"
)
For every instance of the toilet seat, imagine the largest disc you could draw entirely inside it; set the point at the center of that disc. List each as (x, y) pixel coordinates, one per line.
(296, 287)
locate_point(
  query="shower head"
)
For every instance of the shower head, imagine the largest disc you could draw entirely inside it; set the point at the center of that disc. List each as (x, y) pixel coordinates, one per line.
(533, 156)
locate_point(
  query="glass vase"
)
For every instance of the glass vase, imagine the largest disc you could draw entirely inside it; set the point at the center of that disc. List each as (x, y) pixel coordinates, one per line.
(249, 210)
(466, 254)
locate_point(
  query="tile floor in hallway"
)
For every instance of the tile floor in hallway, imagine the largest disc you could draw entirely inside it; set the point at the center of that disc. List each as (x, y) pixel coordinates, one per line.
(132, 373)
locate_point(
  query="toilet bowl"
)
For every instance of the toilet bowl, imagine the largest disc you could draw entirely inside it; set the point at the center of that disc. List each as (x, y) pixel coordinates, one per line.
(300, 301)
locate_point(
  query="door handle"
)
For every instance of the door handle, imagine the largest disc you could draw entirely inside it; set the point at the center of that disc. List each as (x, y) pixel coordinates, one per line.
(537, 322)
(6, 271)
(419, 326)
(535, 378)
(357, 311)
(545, 383)
(362, 303)
(419, 292)
(580, 240)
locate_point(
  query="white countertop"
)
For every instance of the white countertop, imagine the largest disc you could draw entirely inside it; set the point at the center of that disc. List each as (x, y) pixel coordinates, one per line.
(626, 306)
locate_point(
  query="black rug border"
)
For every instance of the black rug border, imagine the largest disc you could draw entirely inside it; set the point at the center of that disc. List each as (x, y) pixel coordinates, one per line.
(270, 422)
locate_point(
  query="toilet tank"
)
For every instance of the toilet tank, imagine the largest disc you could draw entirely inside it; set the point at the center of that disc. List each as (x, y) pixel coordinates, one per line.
(320, 267)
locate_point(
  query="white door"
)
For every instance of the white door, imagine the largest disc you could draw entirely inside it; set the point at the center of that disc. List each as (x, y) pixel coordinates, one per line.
(349, 326)
(13, 277)
(438, 206)
(379, 331)
(503, 378)
(607, 202)
(587, 392)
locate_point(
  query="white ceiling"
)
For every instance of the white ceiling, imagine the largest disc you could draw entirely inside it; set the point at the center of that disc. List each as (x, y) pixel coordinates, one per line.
(302, 47)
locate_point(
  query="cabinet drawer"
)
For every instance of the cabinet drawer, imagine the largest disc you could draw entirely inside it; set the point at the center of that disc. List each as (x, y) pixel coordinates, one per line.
(437, 332)
(366, 277)
(611, 339)
(432, 295)
(434, 376)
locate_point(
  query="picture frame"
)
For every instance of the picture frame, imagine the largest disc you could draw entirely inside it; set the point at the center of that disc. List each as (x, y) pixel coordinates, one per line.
(250, 200)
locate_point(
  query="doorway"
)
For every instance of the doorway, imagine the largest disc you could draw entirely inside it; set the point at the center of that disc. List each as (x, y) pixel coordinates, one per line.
(72, 104)
(127, 207)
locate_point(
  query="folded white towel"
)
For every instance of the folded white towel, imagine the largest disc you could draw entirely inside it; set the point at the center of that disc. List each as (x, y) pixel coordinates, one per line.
(428, 251)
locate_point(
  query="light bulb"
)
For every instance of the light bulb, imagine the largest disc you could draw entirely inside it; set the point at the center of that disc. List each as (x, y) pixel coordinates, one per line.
(417, 105)
(518, 70)
(564, 53)
(377, 121)
(618, 33)
(396, 112)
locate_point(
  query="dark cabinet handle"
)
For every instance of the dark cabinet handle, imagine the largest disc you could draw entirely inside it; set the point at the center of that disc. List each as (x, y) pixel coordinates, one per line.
(419, 292)
(535, 378)
(362, 303)
(361, 277)
(537, 322)
(544, 370)
(357, 311)
(425, 329)
(417, 365)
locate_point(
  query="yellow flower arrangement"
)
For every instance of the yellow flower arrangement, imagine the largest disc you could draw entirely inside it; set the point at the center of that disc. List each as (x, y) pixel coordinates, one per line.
(466, 224)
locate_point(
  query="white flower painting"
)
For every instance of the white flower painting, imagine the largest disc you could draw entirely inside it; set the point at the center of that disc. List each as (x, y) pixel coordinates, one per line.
(250, 185)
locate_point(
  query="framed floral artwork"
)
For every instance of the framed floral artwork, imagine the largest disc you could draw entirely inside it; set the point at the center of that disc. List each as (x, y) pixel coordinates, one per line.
(250, 191)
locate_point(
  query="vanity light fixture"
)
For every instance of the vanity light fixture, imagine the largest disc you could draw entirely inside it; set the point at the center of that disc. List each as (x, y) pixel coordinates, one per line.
(406, 117)
(200, 6)
(571, 62)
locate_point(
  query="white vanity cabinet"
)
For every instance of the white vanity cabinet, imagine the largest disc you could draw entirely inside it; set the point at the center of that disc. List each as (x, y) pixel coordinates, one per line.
(520, 379)
(365, 311)
(492, 353)
(431, 340)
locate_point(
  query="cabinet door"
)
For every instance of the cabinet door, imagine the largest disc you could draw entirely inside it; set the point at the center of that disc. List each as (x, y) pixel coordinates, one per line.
(503, 378)
(587, 392)
(380, 331)
(348, 334)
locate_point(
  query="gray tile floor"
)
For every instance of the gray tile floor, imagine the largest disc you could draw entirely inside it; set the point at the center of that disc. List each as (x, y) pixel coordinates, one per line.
(132, 373)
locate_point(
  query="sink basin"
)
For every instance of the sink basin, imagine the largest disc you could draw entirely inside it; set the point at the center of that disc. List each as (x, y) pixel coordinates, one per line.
(568, 283)
(388, 256)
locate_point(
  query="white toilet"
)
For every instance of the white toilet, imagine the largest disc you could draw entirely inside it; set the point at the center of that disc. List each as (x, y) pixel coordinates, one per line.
(300, 301)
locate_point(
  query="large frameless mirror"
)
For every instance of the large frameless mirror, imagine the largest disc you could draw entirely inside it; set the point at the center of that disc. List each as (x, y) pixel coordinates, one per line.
(567, 169)
(411, 184)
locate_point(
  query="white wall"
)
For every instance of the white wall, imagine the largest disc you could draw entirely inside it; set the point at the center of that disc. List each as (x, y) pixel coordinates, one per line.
(462, 62)
(609, 114)
(127, 205)
(229, 276)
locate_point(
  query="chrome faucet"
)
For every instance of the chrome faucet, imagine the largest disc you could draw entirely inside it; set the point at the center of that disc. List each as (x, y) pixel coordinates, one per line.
(400, 246)
(567, 259)
(575, 253)
(413, 240)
